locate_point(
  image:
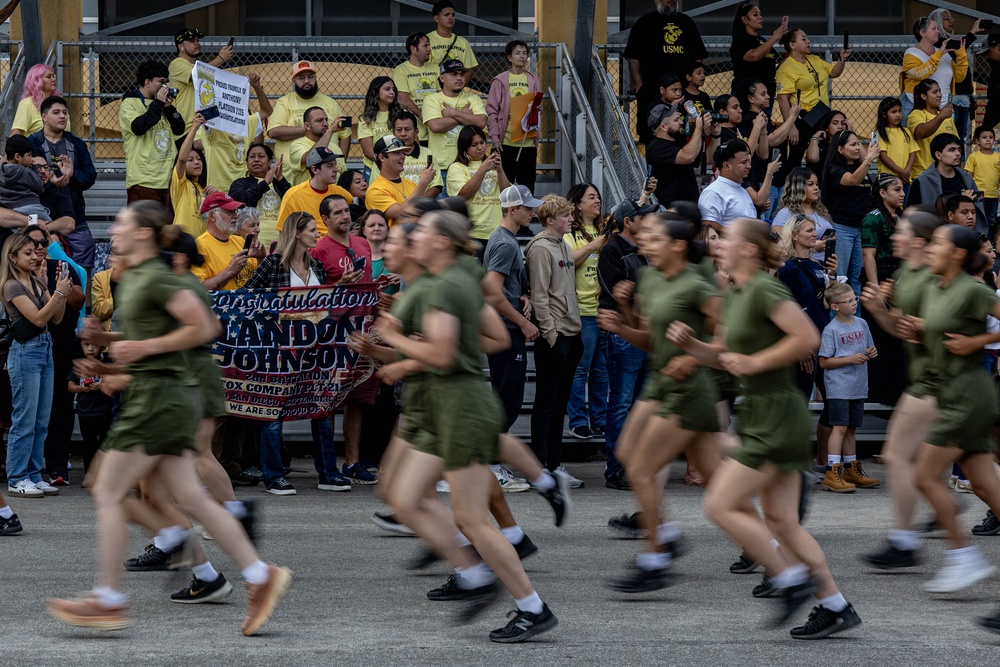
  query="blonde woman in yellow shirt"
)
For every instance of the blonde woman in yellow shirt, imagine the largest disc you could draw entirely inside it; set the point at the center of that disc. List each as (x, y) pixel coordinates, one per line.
(926, 61)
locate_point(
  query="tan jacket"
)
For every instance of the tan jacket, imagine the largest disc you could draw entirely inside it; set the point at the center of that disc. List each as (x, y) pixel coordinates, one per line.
(552, 281)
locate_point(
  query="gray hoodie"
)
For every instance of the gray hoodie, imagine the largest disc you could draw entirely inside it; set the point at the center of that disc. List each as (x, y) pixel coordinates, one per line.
(19, 186)
(552, 278)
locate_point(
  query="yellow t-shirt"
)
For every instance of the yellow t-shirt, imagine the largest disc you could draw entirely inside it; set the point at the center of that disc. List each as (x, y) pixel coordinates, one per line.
(217, 256)
(226, 154)
(484, 207)
(303, 197)
(384, 193)
(180, 78)
(374, 130)
(897, 148)
(587, 286)
(186, 197)
(288, 112)
(416, 163)
(149, 158)
(292, 168)
(267, 210)
(985, 170)
(27, 119)
(418, 83)
(810, 78)
(443, 146)
(460, 49)
(924, 157)
(517, 85)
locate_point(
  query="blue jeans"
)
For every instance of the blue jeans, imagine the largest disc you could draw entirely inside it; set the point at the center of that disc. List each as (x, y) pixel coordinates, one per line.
(592, 373)
(907, 105)
(772, 196)
(990, 206)
(324, 454)
(626, 374)
(31, 383)
(849, 255)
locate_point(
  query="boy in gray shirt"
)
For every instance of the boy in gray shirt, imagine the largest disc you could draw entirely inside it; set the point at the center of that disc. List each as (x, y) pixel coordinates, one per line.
(844, 353)
(21, 185)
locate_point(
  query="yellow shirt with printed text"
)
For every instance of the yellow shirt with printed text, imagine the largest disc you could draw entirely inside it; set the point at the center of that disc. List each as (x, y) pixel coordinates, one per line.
(587, 285)
(149, 158)
(517, 85)
(443, 145)
(374, 130)
(288, 111)
(454, 47)
(180, 78)
(226, 154)
(418, 83)
(484, 206)
(809, 78)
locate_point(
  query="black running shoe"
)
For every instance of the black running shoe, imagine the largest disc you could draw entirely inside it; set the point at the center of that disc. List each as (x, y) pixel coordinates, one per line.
(476, 601)
(424, 558)
(524, 625)
(11, 526)
(892, 558)
(249, 520)
(450, 590)
(989, 526)
(639, 580)
(558, 499)
(932, 526)
(390, 523)
(804, 492)
(792, 598)
(627, 525)
(199, 591)
(617, 481)
(245, 479)
(824, 622)
(525, 548)
(155, 560)
(991, 623)
(765, 589)
(744, 565)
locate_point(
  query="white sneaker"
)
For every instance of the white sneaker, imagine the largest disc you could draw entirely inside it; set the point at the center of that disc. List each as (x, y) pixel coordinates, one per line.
(508, 482)
(512, 475)
(954, 576)
(24, 489)
(963, 486)
(443, 487)
(46, 488)
(571, 481)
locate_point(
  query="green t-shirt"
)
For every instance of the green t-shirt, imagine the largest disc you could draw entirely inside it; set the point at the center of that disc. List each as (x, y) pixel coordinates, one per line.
(588, 288)
(409, 309)
(749, 328)
(665, 300)
(908, 295)
(149, 157)
(457, 293)
(959, 308)
(876, 232)
(142, 298)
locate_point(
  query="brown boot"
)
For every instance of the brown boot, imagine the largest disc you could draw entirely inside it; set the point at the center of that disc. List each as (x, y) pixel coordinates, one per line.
(834, 480)
(855, 474)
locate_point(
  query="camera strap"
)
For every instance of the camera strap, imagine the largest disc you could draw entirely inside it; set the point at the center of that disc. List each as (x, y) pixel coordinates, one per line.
(47, 147)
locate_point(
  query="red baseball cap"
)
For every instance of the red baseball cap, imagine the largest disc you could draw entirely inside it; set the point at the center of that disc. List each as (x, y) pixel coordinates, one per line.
(220, 200)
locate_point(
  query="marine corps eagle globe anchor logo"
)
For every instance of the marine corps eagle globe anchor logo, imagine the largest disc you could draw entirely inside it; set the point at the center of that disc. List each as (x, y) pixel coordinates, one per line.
(671, 33)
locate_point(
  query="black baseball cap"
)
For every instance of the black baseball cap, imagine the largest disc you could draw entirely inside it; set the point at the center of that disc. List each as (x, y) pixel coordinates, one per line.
(186, 34)
(453, 65)
(320, 155)
(992, 39)
(660, 113)
(630, 208)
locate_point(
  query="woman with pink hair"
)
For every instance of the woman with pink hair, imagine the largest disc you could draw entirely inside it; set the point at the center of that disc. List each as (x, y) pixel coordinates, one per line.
(39, 83)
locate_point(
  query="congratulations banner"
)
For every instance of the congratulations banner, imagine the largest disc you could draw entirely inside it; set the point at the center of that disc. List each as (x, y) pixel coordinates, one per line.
(284, 353)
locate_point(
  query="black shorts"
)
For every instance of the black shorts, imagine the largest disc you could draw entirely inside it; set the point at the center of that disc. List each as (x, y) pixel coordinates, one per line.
(846, 411)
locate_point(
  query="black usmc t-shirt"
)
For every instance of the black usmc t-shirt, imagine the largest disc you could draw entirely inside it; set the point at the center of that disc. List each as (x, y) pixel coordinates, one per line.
(664, 44)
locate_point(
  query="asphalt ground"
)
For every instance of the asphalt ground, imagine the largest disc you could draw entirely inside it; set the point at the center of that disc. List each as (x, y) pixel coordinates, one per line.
(352, 601)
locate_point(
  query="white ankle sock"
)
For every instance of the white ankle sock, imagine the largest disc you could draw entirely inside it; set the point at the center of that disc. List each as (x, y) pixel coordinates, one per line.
(652, 560)
(205, 572)
(236, 508)
(544, 482)
(462, 541)
(904, 540)
(256, 574)
(531, 604)
(168, 538)
(964, 555)
(667, 532)
(6, 512)
(835, 602)
(476, 576)
(832, 460)
(849, 459)
(514, 534)
(109, 597)
(791, 576)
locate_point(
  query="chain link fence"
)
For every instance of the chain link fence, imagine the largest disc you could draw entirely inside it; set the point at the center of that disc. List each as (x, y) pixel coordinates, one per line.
(95, 74)
(871, 74)
(12, 71)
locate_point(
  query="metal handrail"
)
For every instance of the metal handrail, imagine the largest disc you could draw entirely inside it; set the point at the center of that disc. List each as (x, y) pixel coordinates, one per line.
(601, 84)
(10, 96)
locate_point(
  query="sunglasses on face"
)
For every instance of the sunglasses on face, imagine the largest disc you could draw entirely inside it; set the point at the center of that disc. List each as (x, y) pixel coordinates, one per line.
(38, 244)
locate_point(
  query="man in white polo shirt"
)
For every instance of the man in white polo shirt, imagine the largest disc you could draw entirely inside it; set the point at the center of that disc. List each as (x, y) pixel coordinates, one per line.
(725, 199)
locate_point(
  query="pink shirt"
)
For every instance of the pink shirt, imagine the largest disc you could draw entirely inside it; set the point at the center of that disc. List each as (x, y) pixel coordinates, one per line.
(338, 259)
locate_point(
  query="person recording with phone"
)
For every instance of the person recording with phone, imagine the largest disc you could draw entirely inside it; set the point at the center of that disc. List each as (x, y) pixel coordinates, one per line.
(188, 42)
(390, 192)
(671, 156)
(31, 308)
(962, 97)
(228, 262)
(149, 121)
(943, 61)
(753, 55)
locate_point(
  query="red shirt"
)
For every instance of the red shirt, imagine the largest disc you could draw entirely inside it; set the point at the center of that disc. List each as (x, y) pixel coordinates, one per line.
(338, 259)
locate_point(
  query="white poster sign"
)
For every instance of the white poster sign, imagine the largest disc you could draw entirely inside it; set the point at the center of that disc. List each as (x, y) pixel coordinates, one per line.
(228, 92)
